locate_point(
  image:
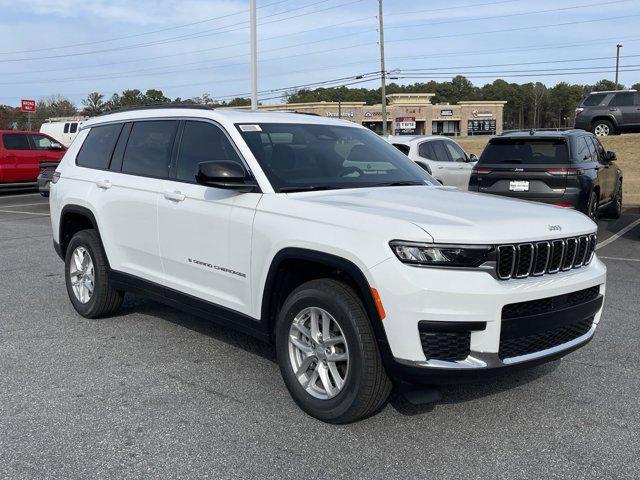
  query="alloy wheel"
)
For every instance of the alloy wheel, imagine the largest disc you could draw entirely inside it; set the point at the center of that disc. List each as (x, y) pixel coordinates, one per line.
(318, 353)
(81, 274)
(601, 130)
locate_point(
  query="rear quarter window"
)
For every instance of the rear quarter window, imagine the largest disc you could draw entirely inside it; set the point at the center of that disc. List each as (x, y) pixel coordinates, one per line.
(594, 99)
(525, 151)
(98, 147)
(403, 148)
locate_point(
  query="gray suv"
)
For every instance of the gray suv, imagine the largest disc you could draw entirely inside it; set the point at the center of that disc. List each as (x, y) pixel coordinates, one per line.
(609, 113)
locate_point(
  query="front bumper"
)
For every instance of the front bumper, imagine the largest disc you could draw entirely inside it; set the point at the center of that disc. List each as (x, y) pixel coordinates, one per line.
(474, 297)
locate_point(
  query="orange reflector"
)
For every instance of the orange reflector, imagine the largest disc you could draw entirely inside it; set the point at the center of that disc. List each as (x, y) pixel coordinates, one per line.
(376, 298)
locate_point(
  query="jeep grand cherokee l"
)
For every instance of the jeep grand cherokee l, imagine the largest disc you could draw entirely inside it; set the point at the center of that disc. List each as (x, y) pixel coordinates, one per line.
(569, 169)
(317, 235)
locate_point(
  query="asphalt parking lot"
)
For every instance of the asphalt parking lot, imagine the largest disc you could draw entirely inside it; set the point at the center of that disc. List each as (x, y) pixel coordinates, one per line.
(157, 393)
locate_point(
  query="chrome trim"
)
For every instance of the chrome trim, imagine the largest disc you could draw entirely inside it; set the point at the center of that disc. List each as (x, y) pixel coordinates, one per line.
(513, 262)
(546, 263)
(593, 239)
(481, 360)
(519, 248)
(553, 246)
(586, 250)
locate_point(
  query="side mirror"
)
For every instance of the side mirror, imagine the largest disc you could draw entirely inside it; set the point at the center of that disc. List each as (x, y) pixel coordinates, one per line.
(610, 156)
(473, 158)
(224, 174)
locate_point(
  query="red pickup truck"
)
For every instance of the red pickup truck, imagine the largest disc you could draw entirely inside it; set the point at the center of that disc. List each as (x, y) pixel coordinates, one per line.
(22, 154)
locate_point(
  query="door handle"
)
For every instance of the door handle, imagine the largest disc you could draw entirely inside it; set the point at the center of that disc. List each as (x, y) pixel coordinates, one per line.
(174, 196)
(103, 184)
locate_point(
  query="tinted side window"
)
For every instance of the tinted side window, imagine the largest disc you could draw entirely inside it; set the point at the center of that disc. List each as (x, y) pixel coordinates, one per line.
(73, 128)
(592, 149)
(440, 151)
(15, 141)
(593, 100)
(202, 142)
(149, 147)
(66, 128)
(456, 153)
(622, 99)
(425, 151)
(582, 154)
(41, 142)
(403, 148)
(98, 146)
(599, 147)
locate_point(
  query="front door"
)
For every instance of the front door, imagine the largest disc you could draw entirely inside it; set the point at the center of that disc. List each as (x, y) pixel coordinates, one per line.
(205, 233)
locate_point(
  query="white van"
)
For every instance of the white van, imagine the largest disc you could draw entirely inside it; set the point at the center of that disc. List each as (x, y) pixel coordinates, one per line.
(63, 129)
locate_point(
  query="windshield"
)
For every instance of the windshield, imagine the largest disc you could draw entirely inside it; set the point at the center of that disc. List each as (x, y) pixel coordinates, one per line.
(299, 157)
(529, 151)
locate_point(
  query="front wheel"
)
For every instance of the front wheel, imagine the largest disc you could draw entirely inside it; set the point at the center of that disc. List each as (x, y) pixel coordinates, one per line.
(328, 354)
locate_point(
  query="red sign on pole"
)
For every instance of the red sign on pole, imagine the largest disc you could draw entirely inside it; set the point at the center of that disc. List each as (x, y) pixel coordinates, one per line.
(28, 105)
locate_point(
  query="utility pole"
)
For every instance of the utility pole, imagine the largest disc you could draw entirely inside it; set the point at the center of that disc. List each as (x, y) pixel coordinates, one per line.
(382, 70)
(618, 47)
(254, 56)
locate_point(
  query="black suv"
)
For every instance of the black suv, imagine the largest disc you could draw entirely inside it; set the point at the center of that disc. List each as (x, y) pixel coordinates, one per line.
(609, 113)
(568, 168)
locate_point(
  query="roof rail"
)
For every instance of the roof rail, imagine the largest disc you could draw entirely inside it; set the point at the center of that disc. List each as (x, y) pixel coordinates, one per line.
(158, 106)
(613, 91)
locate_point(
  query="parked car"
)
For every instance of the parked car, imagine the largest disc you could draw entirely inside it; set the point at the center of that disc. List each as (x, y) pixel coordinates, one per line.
(609, 113)
(21, 154)
(64, 129)
(440, 156)
(569, 169)
(318, 236)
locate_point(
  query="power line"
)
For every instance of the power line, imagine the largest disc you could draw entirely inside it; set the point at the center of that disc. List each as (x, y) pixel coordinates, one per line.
(512, 75)
(113, 39)
(471, 5)
(518, 14)
(533, 27)
(177, 39)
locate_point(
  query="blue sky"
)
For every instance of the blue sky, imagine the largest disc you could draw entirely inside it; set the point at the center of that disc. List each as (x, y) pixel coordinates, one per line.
(186, 48)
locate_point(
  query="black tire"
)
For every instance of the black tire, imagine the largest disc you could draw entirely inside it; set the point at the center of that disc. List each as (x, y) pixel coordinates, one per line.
(615, 209)
(603, 128)
(366, 386)
(104, 300)
(592, 206)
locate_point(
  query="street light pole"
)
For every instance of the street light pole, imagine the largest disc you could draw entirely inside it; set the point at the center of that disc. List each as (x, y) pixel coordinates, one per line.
(382, 70)
(254, 56)
(618, 47)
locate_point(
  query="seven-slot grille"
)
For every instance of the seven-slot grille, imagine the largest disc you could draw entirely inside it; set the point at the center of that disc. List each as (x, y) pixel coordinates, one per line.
(537, 258)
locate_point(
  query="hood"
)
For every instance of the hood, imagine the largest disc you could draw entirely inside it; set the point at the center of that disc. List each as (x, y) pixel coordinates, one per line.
(453, 216)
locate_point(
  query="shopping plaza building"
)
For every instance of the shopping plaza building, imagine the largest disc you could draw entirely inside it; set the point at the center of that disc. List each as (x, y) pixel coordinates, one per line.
(411, 114)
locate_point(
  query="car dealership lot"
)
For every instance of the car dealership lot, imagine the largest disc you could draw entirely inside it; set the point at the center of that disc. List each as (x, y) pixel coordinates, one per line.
(156, 392)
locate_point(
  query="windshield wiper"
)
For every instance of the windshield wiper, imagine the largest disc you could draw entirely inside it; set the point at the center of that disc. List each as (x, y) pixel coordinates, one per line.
(307, 188)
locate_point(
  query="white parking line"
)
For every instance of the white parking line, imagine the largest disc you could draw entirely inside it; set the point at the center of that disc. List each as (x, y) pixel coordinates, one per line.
(25, 205)
(621, 259)
(617, 235)
(25, 213)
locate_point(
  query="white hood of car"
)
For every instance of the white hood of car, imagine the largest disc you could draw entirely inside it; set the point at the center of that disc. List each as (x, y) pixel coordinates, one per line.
(452, 216)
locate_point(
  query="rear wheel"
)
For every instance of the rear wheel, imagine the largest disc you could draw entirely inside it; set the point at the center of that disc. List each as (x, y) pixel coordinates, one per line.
(602, 128)
(592, 207)
(615, 209)
(86, 277)
(328, 354)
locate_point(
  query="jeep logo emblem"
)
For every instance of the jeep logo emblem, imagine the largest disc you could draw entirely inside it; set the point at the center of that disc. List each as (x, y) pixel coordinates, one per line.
(555, 228)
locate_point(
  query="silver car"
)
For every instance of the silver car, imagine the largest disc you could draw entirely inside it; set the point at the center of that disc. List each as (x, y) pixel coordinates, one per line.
(443, 158)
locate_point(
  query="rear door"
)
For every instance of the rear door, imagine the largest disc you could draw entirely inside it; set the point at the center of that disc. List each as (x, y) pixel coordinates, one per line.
(528, 168)
(623, 104)
(21, 161)
(460, 167)
(439, 160)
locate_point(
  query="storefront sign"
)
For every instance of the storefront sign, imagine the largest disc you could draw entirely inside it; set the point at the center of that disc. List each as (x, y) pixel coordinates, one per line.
(446, 113)
(481, 127)
(374, 114)
(349, 114)
(482, 113)
(405, 123)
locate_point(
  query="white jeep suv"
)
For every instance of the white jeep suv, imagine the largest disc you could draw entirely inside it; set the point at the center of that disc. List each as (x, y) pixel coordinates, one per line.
(319, 236)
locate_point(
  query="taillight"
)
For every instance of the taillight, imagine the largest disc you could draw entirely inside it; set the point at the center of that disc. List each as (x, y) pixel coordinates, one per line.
(482, 170)
(565, 171)
(579, 110)
(563, 204)
(55, 177)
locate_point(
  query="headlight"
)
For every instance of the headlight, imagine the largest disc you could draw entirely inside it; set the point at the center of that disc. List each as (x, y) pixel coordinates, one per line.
(433, 254)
